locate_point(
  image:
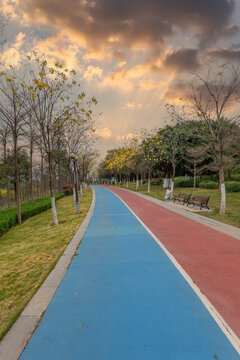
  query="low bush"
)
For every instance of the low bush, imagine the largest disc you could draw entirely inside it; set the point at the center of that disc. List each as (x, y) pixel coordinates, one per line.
(8, 217)
(157, 182)
(232, 186)
(235, 177)
(209, 184)
(68, 192)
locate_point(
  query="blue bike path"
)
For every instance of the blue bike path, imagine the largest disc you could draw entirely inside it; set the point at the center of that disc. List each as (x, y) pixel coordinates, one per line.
(123, 299)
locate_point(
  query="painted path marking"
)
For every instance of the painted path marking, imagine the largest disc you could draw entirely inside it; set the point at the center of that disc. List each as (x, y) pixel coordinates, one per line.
(123, 299)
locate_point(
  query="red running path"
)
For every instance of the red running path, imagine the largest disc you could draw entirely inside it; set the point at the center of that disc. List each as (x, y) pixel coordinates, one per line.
(211, 258)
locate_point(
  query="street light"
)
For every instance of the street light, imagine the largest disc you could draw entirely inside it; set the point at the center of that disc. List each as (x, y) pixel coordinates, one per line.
(75, 159)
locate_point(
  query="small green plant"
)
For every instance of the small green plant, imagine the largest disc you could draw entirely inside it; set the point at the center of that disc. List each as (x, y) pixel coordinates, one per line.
(232, 186)
(209, 185)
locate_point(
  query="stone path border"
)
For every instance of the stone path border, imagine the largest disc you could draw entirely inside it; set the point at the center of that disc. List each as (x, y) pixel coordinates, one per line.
(20, 333)
(214, 224)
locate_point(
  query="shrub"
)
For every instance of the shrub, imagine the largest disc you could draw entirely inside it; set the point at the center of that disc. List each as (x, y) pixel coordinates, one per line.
(157, 182)
(68, 192)
(235, 177)
(209, 184)
(232, 186)
(9, 217)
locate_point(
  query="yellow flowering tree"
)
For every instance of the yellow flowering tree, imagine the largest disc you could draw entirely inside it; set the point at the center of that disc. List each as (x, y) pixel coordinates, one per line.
(54, 100)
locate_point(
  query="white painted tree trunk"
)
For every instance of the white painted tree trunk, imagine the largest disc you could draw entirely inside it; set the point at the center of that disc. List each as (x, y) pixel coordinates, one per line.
(223, 191)
(137, 184)
(172, 188)
(149, 180)
(127, 184)
(85, 186)
(223, 199)
(54, 211)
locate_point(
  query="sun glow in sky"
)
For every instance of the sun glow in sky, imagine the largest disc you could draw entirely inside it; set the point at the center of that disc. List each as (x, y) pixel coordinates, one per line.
(133, 56)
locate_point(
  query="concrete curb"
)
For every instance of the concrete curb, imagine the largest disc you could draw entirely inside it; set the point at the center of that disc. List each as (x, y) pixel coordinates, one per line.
(214, 224)
(20, 333)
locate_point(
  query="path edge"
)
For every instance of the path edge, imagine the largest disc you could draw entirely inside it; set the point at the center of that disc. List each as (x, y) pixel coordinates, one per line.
(229, 333)
(226, 229)
(14, 342)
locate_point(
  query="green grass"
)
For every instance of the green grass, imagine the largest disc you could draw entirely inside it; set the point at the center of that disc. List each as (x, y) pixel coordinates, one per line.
(232, 216)
(28, 252)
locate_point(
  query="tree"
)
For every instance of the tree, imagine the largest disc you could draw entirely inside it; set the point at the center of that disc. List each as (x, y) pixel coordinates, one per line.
(172, 145)
(53, 104)
(210, 100)
(13, 112)
(4, 137)
(196, 156)
(150, 155)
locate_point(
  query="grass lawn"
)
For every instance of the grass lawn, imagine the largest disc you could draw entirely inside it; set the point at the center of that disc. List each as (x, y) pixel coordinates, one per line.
(28, 252)
(232, 216)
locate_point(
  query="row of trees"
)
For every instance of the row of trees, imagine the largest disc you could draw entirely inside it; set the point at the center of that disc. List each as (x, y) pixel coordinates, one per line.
(204, 135)
(45, 117)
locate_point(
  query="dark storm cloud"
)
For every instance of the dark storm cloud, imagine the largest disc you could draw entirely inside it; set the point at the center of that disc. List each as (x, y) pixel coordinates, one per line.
(228, 55)
(182, 60)
(125, 23)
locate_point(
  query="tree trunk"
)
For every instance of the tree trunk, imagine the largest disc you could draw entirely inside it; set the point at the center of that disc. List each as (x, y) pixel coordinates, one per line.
(18, 199)
(149, 180)
(31, 174)
(194, 175)
(141, 178)
(137, 181)
(223, 191)
(6, 175)
(51, 186)
(173, 176)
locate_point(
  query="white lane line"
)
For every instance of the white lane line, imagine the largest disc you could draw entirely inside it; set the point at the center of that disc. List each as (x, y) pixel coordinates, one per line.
(232, 337)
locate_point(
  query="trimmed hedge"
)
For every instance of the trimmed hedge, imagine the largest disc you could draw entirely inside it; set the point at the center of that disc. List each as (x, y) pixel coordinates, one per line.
(8, 218)
(209, 184)
(232, 186)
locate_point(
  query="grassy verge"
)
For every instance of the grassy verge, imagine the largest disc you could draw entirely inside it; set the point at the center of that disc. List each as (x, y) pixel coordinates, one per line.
(232, 216)
(28, 252)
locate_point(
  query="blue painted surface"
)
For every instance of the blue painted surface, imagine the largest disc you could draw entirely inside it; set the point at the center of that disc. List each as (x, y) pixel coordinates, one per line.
(123, 299)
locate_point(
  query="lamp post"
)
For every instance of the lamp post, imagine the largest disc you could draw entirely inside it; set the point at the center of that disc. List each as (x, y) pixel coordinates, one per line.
(75, 159)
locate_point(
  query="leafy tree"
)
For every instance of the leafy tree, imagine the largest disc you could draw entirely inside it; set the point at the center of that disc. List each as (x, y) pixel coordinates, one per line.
(210, 101)
(53, 103)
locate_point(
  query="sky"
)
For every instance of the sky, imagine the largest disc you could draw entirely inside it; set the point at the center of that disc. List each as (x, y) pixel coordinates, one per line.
(132, 55)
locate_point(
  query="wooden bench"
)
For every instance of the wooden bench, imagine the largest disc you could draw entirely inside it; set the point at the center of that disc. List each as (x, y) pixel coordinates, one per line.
(184, 198)
(201, 201)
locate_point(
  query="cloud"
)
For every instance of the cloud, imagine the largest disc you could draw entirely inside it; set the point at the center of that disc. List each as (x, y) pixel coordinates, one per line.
(132, 105)
(176, 92)
(104, 132)
(12, 54)
(114, 26)
(93, 71)
(125, 137)
(225, 54)
(57, 47)
(182, 60)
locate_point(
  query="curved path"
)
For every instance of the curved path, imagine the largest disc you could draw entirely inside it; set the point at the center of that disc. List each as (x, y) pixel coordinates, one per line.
(123, 299)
